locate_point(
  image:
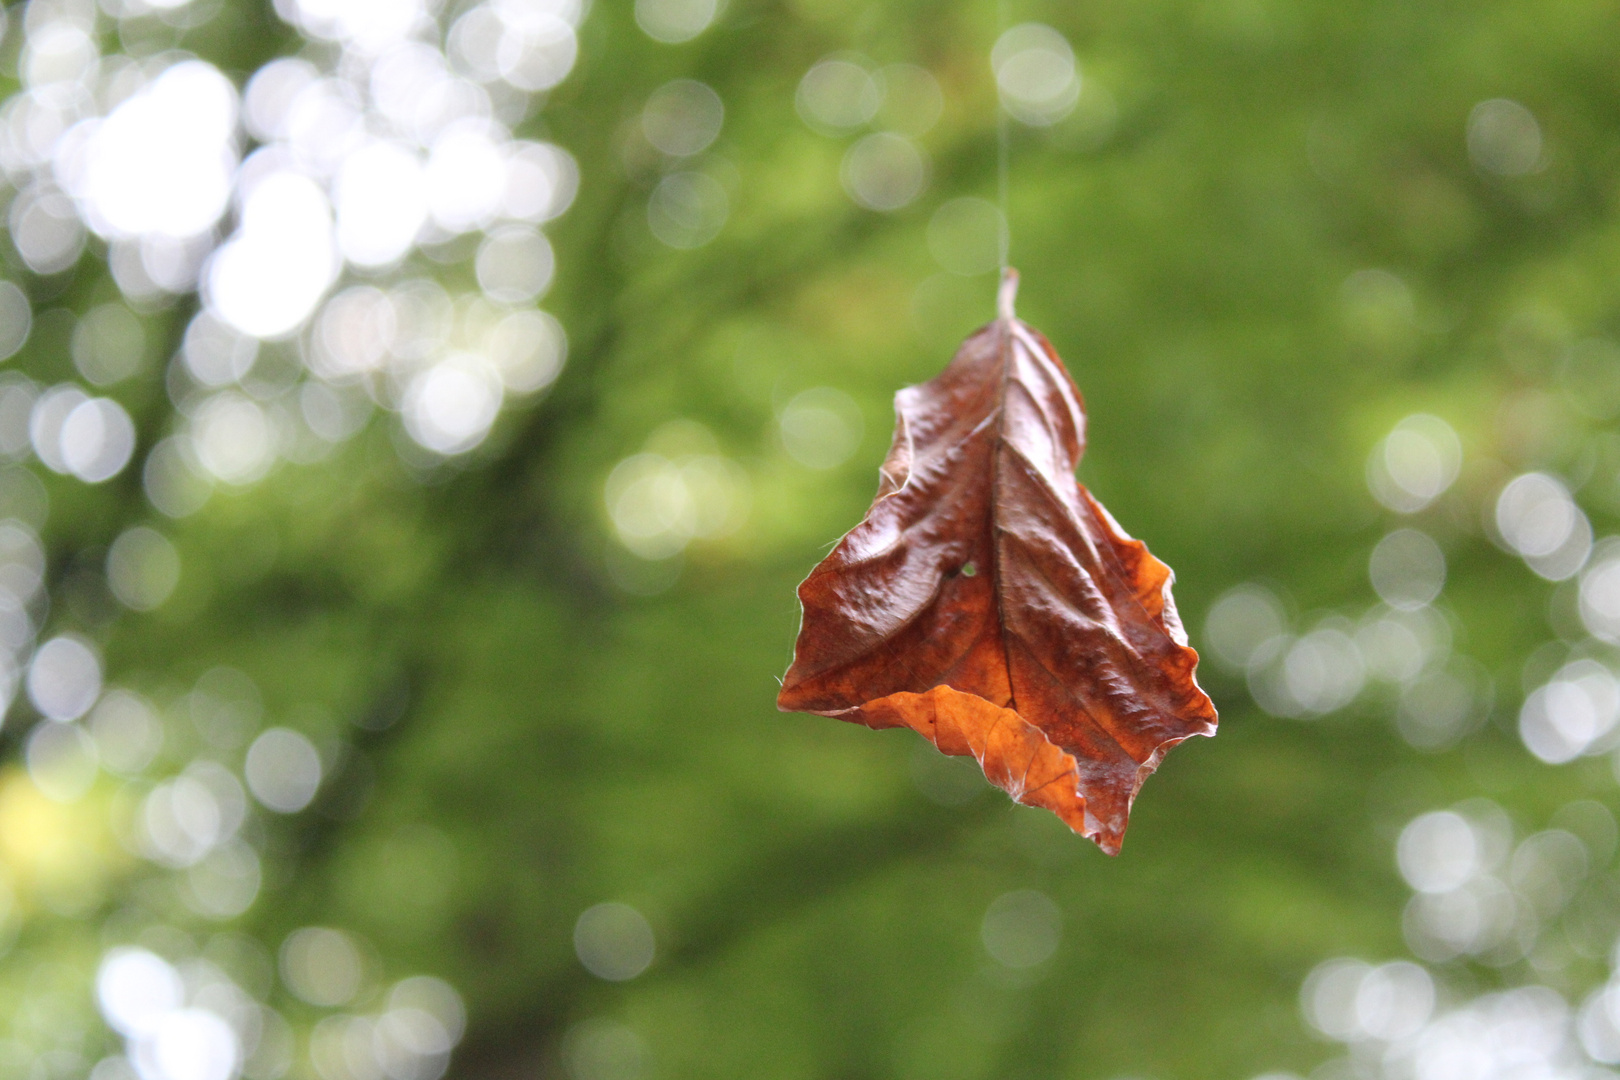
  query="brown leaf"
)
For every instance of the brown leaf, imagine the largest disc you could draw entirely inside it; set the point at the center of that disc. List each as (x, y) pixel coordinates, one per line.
(989, 603)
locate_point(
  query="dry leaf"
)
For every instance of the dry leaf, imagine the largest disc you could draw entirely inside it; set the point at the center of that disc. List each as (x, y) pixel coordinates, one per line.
(989, 603)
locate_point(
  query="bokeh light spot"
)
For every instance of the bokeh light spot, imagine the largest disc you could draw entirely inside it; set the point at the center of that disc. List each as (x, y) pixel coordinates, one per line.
(839, 94)
(1438, 852)
(1241, 621)
(1562, 720)
(675, 21)
(1504, 138)
(1407, 569)
(127, 732)
(143, 568)
(528, 349)
(16, 319)
(514, 265)
(97, 439)
(614, 941)
(683, 117)
(233, 438)
(161, 161)
(1538, 519)
(61, 761)
(449, 407)
(821, 427)
(884, 171)
(135, 988)
(1022, 929)
(267, 279)
(283, 770)
(64, 678)
(109, 344)
(912, 99)
(321, 966)
(1036, 74)
(1415, 463)
(687, 209)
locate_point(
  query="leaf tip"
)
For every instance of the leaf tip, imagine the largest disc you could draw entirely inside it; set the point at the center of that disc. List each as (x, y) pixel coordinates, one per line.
(1008, 293)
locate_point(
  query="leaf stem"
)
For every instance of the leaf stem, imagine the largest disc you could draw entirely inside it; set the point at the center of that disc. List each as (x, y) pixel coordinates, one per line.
(1008, 293)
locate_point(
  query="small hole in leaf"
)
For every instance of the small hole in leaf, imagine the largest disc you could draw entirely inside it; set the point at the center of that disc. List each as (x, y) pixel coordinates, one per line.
(968, 570)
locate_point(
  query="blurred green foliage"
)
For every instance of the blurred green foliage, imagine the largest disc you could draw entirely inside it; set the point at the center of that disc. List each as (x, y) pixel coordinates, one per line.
(521, 736)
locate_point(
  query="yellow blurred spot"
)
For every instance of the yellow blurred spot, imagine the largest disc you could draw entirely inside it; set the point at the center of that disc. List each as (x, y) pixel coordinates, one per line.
(56, 854)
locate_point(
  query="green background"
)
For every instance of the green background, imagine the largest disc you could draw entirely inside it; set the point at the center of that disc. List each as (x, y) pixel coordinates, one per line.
(527, 738)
